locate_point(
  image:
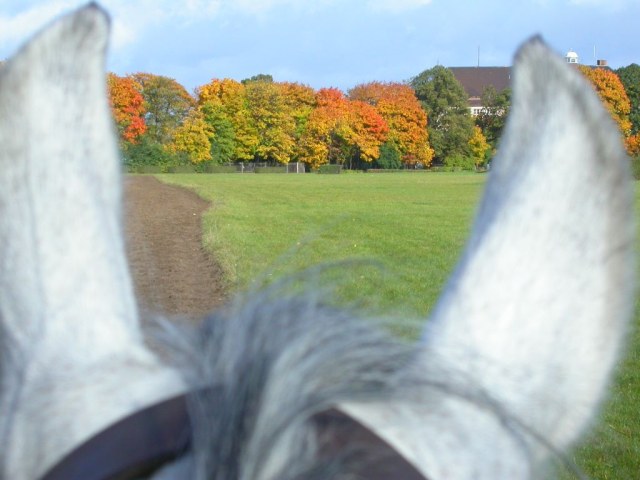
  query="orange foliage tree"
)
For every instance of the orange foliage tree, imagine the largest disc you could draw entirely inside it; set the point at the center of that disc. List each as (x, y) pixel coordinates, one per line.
(407, 120)
(127, 106)
(316, 146)
(614, 97)
(340, 131)
(363, 133)
(633, 145)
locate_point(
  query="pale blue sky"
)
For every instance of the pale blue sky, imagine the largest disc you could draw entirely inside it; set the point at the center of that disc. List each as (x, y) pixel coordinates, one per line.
(337, 43)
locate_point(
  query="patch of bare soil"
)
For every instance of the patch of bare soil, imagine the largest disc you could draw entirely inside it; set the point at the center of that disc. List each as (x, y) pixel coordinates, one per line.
(171, 272)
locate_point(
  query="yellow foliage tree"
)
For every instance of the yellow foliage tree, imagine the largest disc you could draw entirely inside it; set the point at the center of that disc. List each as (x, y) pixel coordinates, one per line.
(273, 121)
(193, 138)
(478, 146)
(231, 96)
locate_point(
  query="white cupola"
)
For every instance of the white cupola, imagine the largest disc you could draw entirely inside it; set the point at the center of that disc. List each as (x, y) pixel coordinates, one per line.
(572, 57)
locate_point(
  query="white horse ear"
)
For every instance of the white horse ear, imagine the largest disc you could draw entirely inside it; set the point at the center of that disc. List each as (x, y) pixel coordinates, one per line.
(66, 301)
(536, 309)
(521, 345)
(61, 243)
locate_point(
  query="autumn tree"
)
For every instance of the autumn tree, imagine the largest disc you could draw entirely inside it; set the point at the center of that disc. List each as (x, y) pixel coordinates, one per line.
(362, 134)
(612, 93)
(192, 138)
(299, 101)
(318, 142)
(478, 147)
(407, 121)
(231, 99)
(127, 106)
(445, 101)
(272, 120)
(342, 131)
(167, 104)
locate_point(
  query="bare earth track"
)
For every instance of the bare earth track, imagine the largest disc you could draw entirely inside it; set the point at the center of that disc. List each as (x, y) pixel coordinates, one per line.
(172, 273)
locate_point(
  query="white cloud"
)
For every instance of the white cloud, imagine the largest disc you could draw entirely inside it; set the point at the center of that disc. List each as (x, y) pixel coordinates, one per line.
(17, 28)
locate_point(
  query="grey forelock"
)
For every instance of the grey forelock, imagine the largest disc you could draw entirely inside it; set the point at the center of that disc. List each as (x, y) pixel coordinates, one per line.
(278, 361)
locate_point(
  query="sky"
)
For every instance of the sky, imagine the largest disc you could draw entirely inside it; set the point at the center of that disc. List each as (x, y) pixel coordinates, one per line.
(336, 43)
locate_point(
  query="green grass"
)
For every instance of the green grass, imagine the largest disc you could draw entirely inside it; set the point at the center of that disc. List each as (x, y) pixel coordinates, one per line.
(414, 226)
(400, 234)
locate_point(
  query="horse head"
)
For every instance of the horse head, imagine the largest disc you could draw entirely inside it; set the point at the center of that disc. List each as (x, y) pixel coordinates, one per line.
(510, 370)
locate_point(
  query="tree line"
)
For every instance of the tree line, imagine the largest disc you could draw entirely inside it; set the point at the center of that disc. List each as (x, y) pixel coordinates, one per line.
(419, 123)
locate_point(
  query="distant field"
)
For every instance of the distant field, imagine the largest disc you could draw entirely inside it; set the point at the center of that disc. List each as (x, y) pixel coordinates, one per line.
(413, 226)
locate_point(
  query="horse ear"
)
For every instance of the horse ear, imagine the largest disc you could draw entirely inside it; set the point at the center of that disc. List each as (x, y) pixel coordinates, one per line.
(536, 309)
(66, 301)
(520, 347)
(60, 187)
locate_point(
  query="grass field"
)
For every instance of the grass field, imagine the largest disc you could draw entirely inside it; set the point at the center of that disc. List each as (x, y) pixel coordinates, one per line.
(398, 236)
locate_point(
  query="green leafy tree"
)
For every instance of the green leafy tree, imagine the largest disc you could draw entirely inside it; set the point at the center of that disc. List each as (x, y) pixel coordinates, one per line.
(493, 116)
(146, 152)
(390, 156)
(167, 104)
(261, 77)
(630, 77)
(450, 124)
(231, 96)
(222, 134)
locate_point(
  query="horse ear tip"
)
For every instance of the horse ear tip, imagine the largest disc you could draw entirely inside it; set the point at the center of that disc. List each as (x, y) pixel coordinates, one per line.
(96, 14)
(534, 47)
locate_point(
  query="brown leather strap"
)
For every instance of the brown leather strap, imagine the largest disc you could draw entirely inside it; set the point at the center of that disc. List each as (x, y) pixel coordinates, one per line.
(144, 441)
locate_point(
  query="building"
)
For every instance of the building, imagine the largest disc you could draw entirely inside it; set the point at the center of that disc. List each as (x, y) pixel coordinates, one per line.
(475, 79)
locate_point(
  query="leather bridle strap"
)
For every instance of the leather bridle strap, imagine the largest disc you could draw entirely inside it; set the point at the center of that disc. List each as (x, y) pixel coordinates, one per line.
(131, 448)
(143, 442)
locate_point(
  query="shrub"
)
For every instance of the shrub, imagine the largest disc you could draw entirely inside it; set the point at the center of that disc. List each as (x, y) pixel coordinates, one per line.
(635, 167)
(390, 157)
(458, 163)
(147, 153)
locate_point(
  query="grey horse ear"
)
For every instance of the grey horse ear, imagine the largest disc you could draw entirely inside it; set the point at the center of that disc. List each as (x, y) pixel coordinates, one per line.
(66, 301)
(537, 308)
(522, 343)
(60, 192)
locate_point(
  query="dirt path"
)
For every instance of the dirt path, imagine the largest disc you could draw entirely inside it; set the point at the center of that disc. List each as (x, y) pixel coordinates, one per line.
(171, 271)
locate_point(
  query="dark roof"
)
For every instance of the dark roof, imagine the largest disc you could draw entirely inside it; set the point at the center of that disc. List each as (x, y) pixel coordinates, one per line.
(475, 79)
